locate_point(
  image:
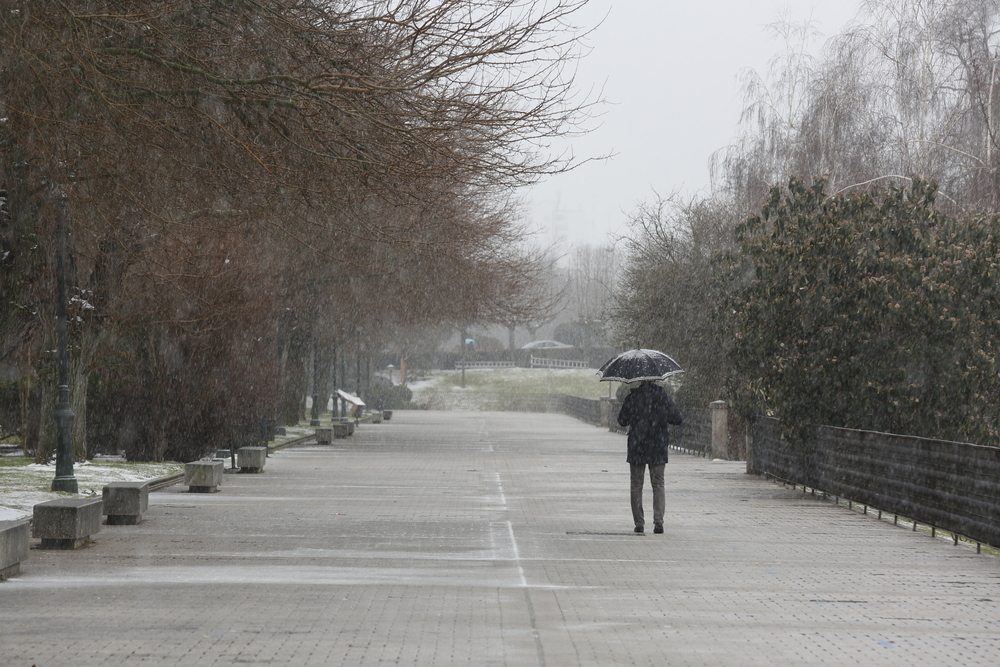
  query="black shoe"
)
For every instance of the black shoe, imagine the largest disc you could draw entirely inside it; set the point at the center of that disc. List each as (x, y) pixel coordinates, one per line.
(658, 528)
(638, 529)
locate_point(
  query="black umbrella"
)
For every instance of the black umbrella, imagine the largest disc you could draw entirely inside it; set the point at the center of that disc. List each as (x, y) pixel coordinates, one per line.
(638, 365)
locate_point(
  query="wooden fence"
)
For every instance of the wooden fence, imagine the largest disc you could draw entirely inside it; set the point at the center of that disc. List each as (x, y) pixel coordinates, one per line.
(953, 486)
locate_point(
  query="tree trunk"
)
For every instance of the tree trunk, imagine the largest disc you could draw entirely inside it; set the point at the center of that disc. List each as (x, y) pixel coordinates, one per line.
(44, 408)
(28, 388)
(295, 378)
(48, 430)
(79, 381)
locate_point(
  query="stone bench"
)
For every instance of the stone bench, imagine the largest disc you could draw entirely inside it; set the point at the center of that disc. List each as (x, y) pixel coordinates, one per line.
(222, 454)
(387, 415)
(203, 476)
(346, 426)
(13, 546)
(125, 502)
(251, 459)
(67, 523)
(324, 436)
(377, 417)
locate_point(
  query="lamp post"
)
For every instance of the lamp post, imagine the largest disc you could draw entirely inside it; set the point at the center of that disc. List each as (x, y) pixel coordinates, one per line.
(64, 479)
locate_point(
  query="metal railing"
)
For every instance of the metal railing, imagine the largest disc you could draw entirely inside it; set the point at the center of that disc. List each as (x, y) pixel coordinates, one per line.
(484, 364)
(952, 486)
(541, 362)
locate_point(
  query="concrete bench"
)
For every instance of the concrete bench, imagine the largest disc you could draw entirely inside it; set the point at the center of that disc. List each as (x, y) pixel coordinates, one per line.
(67, 523)
(203, 476)
(251, 459)
(13, 546)
(125, 502)
(377, 417)
(340, 430)
(387, 415)
(324, 436)
(222, 454)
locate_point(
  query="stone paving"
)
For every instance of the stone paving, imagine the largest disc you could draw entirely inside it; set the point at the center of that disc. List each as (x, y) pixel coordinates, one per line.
(443, 538)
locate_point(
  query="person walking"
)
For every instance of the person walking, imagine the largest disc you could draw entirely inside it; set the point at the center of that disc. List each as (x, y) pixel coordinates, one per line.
(647, 411)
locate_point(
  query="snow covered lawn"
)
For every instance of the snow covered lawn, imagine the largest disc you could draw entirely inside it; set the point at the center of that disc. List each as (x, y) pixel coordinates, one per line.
(24, 486)
(582, 382)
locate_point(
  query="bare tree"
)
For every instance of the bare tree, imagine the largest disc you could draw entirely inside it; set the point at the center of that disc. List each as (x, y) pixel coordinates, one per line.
(592, 276)
(534, 295)
(200, 141)
(908, 91)
(665, 297)
(773, 135)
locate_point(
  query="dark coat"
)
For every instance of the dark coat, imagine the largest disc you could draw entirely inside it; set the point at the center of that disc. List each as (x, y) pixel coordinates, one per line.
(647, 411)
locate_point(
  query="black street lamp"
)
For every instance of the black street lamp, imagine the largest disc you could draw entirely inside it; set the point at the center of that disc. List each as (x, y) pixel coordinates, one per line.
(64, 479)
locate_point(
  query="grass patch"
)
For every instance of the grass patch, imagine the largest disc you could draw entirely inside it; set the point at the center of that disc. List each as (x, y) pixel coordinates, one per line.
(15, 461)
(573, 382)
(23, 483)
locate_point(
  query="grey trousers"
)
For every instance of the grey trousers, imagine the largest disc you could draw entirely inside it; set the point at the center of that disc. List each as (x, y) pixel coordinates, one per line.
(659, 495)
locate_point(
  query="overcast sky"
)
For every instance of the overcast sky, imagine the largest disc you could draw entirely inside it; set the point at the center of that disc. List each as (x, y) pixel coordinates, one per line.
(670, 70)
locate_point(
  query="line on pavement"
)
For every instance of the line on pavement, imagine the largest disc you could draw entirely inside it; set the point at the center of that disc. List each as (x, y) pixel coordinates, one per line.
(520, 570)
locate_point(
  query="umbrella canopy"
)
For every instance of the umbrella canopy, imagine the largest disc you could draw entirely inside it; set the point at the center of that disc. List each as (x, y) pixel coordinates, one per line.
(638, 365)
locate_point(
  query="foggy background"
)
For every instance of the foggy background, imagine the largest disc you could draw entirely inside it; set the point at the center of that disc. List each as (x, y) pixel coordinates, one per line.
(670, 72)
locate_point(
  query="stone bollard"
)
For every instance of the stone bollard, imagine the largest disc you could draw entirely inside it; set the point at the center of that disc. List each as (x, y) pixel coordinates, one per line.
(125, 502)
(203, 476)
(251, 459)
(13, 546)
(67, 523)
(720, 429)
(324, 436)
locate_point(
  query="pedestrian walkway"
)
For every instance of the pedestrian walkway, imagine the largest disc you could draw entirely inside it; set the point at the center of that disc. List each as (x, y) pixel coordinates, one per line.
(447, 538)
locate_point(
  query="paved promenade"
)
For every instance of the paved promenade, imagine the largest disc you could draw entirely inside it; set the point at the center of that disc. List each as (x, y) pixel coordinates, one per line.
(445, 538)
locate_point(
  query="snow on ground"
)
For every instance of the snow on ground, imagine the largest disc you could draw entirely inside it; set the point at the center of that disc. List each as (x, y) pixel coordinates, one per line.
(23, 487)
(18, 505)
